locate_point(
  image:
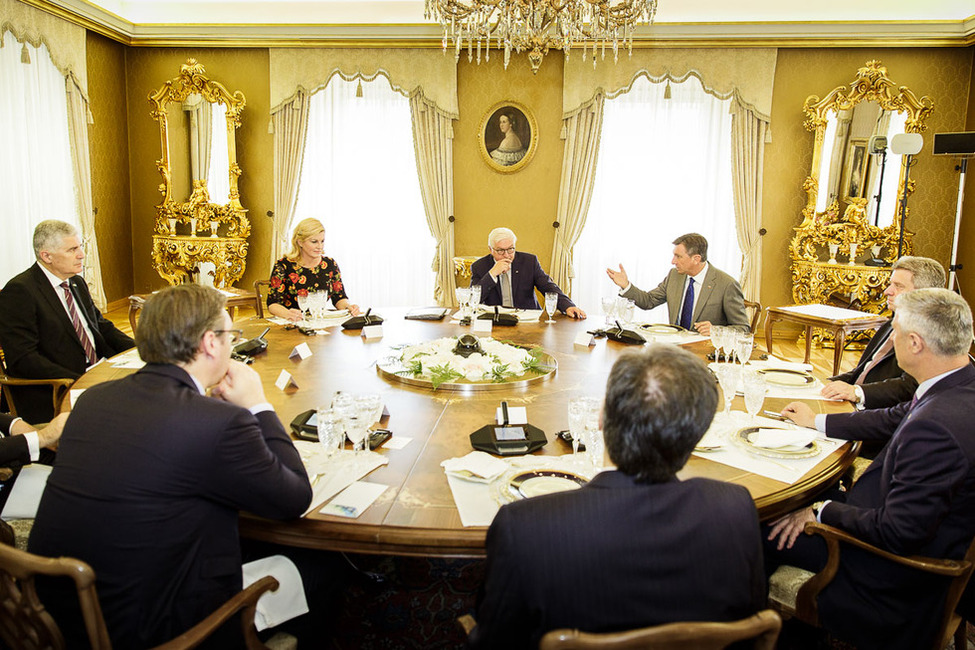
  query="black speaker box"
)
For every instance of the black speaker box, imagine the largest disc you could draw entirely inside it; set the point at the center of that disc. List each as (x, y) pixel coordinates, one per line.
(955, 144)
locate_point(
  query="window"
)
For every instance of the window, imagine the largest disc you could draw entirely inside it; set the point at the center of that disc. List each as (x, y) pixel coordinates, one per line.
(359, 178)
(35, 155)
(664, 169)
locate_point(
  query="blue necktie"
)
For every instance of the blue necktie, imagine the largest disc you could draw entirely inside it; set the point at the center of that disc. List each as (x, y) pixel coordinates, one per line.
(687, 311)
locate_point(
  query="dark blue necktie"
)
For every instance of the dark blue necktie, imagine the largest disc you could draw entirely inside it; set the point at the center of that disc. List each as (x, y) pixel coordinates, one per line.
(687, 311)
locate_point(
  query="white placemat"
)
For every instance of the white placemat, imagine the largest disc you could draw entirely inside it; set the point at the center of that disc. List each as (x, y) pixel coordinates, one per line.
(329, 476)
(809, 391)
(524, 315)
(787, 470)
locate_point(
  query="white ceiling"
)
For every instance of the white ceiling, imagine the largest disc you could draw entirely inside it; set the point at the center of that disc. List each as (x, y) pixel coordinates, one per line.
(833, 22)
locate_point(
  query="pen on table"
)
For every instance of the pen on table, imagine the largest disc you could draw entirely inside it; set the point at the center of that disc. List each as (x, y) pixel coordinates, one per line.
(776, 416)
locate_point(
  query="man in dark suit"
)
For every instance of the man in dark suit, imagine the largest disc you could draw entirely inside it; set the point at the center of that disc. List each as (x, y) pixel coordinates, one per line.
(50, 326)
(916, 498)
(635, 546)
(697, 294)
(152, 472)
(877, 381)
(510, 279)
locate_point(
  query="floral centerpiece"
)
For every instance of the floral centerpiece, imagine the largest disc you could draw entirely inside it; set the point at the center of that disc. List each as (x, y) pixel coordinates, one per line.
(497, 361)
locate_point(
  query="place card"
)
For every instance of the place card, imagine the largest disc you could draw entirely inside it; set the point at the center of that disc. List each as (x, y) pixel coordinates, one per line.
(584, 340)
(354, 500)
(372, 332)
(284, 380)
(302, 351)
(516, 415)
(482, 326)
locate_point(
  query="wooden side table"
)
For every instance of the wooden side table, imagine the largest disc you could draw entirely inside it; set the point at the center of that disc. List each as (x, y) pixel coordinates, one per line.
(839, 321)
(235, 298)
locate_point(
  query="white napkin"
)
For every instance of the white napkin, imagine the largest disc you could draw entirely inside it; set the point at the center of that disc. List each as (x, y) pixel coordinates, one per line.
(774, 362)
(26, 493)
(329, 476)
(778, 438)
(287, 602)
(476, 466)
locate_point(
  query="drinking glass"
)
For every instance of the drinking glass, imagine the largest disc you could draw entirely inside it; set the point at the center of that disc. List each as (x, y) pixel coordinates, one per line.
(577, 422)
(551, 302)
(744, 344)
(463, 295)
(331, 430)
(475, 298)
(609, 306)
(716, 341)
(627, 311)
(593, 436)
(303, 304)
(728, 379)
(371, 405)
(343, 404)
(356, 426)
(754, 388)
(321, 303)
(727, 342)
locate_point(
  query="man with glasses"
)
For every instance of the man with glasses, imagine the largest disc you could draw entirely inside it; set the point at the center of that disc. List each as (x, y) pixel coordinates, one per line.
(152, 473)
(510, 280)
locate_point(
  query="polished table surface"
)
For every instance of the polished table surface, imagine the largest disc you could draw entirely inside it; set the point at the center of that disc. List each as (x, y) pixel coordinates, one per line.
(417, 515)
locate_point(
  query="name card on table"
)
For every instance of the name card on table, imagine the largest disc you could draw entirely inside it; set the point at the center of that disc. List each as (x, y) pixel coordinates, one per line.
(584, 340)
(482, 326)
(302, 351)
(372, 332)
(285, 380)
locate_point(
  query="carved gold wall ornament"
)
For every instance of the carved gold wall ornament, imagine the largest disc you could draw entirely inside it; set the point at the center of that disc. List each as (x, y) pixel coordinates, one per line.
(193, 230)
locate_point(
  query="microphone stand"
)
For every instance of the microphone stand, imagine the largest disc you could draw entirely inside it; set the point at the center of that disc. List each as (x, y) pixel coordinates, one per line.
(880, 186)
(903, 203)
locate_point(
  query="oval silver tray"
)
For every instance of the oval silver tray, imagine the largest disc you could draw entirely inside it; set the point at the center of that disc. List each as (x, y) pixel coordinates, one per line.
(390, 368)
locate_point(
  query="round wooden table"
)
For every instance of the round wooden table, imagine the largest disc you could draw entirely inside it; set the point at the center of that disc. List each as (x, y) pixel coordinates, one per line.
(417, 515)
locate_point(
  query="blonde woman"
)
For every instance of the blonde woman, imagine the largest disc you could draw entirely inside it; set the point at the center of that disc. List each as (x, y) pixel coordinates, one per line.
(303, 270)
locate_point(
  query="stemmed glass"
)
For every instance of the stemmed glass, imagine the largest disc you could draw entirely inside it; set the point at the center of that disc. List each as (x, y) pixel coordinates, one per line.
(303, 304)
(727, 342)
(728, 379)
(754, 388)
(716, 341)
(463, 295)
(475, 298)
(593, 436)
(744, 344)
(551, 302)
(577, 422)
(609, 308)
(331, 431)
(371, 405)
(356, 426)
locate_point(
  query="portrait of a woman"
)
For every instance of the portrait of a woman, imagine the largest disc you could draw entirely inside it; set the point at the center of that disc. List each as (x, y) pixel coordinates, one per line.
(305, 270)
(510, 150)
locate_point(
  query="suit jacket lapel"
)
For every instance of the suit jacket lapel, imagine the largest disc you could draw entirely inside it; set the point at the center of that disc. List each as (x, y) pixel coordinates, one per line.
(675, 293)
(53, 302)
(706, 286)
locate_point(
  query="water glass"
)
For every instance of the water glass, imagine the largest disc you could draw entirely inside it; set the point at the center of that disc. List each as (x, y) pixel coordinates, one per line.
(463, 295)
(609, 309)
(754, 388)
(331, 430)
(577, 421)
(593, 436)
(475, 297)
(727, 342)
(728, 380)
(371, 406)
(551, 302)
(744, 344)
(716, 340)
(303, 303)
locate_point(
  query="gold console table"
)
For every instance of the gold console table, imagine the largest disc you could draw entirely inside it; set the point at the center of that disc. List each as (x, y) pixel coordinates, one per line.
(175, 257)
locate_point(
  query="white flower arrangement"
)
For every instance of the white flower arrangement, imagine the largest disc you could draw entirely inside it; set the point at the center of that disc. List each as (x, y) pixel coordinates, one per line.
(435, 360)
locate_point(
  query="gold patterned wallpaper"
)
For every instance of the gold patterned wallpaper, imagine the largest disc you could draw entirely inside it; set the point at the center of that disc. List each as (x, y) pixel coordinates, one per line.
(525, 201)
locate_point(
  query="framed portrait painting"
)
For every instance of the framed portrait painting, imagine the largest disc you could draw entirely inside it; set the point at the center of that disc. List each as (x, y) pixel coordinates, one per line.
(855, 177)
(508, 136)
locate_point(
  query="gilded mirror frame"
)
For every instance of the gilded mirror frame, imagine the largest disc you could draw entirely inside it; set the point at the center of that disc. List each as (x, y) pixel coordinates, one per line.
(820, 229)
(177, 257)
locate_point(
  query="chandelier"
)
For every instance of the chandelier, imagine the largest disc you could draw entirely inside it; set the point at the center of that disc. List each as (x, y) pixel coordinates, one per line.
(535, 26)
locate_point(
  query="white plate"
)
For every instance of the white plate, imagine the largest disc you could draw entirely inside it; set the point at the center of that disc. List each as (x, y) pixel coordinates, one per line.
(782, 377)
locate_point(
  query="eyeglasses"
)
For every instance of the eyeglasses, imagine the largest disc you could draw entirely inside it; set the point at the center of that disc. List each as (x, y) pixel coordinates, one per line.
(504, 251)
(236, 335)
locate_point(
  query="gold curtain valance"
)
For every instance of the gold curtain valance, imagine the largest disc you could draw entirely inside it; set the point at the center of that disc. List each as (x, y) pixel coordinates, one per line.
(408, 70)
(749, 74)
(64, 40)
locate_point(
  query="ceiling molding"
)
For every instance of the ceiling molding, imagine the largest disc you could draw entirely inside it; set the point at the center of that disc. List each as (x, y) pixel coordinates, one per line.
(959, 33)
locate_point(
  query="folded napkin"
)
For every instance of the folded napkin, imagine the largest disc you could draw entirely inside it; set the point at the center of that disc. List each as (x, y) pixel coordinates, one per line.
(774, 363)
(475, 466)
(287, 602)
(778, 438)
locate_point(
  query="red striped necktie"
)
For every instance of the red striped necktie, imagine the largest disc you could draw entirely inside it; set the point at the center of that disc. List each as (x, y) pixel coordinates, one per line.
(78, 327)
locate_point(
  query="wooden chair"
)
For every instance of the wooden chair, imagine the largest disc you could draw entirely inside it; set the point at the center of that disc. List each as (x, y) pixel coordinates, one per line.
(59, 386)
(756, 308)
(793, 591)
(24, 623)
(260, 293)
(763, 628)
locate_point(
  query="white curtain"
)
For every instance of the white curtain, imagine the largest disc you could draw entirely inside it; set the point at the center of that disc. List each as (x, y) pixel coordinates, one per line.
(433, 137)
(748, 134)
(664, 170)
(218, 156)
(581, 134)
(35, 155)
(290, 126)
(359, 178)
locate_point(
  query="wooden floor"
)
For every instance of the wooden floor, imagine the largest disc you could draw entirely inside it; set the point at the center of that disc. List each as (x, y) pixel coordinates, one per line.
(788, 349)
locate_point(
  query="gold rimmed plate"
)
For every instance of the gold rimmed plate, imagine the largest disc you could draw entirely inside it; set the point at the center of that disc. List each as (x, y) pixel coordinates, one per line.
(784, 377)
(743, 439)
(526, 483)
(660, 328)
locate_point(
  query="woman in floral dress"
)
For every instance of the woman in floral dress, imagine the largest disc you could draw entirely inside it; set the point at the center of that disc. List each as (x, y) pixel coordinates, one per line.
(304, 270)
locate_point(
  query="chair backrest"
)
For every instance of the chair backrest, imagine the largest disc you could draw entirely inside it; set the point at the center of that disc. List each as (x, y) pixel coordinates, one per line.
(260, 291)
(4, 388)
(763, 628)
(24, 623)
(756, 308)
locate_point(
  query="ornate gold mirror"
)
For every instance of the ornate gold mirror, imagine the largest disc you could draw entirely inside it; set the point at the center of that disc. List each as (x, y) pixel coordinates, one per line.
(201, 227)
(855, 188)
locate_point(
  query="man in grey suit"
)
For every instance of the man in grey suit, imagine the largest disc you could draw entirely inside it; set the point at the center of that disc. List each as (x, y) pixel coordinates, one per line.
(697, 294)
(636, 546)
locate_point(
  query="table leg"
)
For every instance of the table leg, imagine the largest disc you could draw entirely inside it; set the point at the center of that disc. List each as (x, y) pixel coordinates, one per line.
(839, 342)
(808, 343)
(769, 321)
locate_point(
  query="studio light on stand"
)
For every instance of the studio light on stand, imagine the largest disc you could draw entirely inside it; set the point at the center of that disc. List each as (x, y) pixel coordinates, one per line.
(878, 146)
(905, 144)
(959, 145)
